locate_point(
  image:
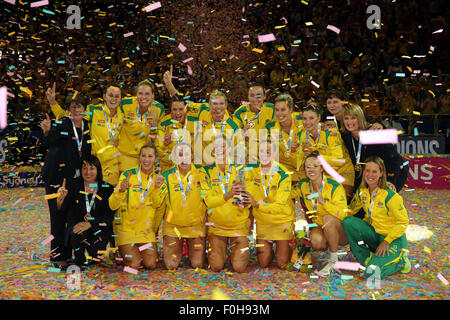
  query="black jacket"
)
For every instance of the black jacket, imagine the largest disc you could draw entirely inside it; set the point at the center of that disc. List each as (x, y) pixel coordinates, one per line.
(75, 204)
(63, 159)
(388, 152)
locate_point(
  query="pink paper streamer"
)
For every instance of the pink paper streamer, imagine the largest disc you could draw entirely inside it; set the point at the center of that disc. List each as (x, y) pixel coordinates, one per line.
(181, 47)
(129, 34)
(188, 59)
(441, 277)
(330, 170)
(189, 69)
(130, 270)
(47, 240)
(266, 37)
(153, 6)
(345, 265)
(333, 28)
(378, 136)
(39, 4)
(3, 108)
(145, 246)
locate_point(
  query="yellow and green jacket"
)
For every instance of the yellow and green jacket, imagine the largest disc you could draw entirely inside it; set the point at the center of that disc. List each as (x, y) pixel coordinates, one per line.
(243, 113)
(167, 123)
(331, 147)
(221, 212)
(194, 212)
(291, 162)
(135, 132)
(278, 207)
(132, 215)
(332, 192)
(102, 146)
(389, 217)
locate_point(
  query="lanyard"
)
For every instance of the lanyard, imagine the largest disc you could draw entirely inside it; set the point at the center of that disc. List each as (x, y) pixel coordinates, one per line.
(112, 133)
(226, 178)
(288, 144)
(315, 204)
(176, 131)
(266, 190)
(181, 185)
(318, 136)
(214, 126)
(372, 201)
(149, 182)
(357, 154)
(139, 114)
(89, 205)
(79, 143)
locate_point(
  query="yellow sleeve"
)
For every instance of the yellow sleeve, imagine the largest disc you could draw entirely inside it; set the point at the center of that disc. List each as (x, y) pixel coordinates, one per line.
(337, 206)
(355, 204)
(117, 197)
(398, 211)
(295, 192)
(282, 197)
(158, 196)
(58, 111)
(334, 151)
(213, 198)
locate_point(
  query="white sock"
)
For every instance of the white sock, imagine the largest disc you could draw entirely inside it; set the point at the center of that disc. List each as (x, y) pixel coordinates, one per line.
(333, 256)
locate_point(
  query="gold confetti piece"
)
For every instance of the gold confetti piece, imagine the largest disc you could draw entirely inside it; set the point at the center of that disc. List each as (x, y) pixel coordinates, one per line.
(51, 196)
(98, 197)
(177, 232)
(219, 295)
(259, 245)
(257, 50)
(416, 113)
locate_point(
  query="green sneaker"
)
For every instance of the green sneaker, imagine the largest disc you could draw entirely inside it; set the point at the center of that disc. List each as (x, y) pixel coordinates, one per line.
(407, 267)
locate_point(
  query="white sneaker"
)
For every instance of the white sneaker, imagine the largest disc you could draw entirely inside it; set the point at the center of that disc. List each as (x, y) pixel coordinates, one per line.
(325, 271)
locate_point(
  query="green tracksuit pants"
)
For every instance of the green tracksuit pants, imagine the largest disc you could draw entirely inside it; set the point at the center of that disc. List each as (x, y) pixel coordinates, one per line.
(364, 242)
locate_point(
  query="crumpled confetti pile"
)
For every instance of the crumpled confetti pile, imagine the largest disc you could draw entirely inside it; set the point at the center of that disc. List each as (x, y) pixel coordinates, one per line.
(25, 272)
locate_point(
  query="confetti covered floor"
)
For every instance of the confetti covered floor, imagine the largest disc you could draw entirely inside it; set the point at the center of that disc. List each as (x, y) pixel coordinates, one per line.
(24, 224)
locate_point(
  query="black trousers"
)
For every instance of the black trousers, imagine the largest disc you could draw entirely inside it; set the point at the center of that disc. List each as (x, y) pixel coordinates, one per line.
(87, 241)
(58, 219)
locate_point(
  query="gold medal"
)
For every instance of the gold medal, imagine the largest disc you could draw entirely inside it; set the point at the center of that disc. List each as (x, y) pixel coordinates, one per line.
(86, 217)
(79, 153)
(357, 167)
(287, 154)
(251, 124)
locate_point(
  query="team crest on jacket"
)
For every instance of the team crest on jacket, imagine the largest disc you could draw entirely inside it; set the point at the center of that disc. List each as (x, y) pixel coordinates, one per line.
(380, 204)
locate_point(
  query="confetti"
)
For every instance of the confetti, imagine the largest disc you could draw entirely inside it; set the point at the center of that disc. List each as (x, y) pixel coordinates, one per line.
(266, 37)
(153, 6)
(333, 28)
(39, 3)
(378, 136)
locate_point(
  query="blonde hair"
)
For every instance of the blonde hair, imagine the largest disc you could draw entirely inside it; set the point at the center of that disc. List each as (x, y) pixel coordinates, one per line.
(382, 181)
(352, 109)
(217, 93)
(145, 83)
(286, 97)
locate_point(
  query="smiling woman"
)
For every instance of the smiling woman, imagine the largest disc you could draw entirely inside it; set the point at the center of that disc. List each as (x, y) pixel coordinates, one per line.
(89, 217)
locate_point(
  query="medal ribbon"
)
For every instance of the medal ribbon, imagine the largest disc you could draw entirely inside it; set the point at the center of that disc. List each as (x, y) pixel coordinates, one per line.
(181, 185)
(149, 182)
(89, 205)
(266, 190)
(79, 143)
(112, 133)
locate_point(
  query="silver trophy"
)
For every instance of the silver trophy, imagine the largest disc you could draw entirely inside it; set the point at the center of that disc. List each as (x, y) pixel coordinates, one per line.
(240, 162)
